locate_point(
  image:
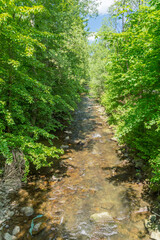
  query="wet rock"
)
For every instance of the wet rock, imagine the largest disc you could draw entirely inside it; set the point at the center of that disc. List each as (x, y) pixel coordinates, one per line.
(68, 132)
(10, 213)
(67, 138)
(2, 220)
(78, 141)
(96, 135)
(155, 235)
(28, 211)
(16, 230)
(53, 178)
(140, 213)
(114, 139)
(64, 146)
(7, 236)
(101, 217)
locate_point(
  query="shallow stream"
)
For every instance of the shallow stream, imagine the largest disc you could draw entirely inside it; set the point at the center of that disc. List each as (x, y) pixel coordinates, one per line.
(90, 181)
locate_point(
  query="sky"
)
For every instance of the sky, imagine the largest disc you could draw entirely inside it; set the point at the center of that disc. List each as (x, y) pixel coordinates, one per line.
(94, 24)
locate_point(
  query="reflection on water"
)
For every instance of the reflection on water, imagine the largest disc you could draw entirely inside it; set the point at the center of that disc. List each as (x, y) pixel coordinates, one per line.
(90, 179)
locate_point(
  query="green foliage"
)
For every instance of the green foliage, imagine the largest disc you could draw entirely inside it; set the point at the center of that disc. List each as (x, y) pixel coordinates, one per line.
(43, 57)
(131, 95)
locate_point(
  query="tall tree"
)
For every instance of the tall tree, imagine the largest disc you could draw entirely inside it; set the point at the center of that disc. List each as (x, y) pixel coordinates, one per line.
(43, 59)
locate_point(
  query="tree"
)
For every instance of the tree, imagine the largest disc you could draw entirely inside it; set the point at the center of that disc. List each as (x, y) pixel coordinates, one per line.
(43, 60)
(131, 95)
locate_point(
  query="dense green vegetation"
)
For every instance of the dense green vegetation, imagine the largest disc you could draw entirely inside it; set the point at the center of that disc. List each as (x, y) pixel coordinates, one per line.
(129, 87)
(43, 60)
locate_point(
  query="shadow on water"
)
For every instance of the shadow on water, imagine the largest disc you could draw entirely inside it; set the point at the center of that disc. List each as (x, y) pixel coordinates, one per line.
(120, 174)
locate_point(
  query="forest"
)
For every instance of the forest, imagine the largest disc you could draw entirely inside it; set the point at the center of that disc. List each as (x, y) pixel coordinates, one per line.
(45, 61)
(43, 64)
(125, 75)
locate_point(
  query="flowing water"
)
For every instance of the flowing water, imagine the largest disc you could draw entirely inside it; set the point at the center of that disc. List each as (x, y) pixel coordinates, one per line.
(89, 179)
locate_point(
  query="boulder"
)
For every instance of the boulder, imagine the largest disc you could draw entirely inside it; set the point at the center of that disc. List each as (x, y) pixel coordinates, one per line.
(101, 217)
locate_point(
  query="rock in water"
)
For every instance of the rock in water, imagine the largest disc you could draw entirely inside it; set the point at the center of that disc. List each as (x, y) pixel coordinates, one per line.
(7, 236)
(64, 146)
(28, 211)
(155, 235)
(16, 230)
(96, 135)
(101, 217)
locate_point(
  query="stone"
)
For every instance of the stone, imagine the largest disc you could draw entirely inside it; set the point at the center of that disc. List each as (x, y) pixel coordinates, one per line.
(114, 139)
(101, 217)
(53, 178)
(78, 141)
(2, 220)
(28, 211)
(64, 146)
(67, 138)
(143, 210)
(10, 213)
(7, 236)
(16, 230)
(155, 235)
(68, 132)
(96, 135)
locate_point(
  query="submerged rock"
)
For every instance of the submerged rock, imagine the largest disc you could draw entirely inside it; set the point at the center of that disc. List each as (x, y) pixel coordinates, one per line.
(101, 217)
(16, 230)
(28, 211)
